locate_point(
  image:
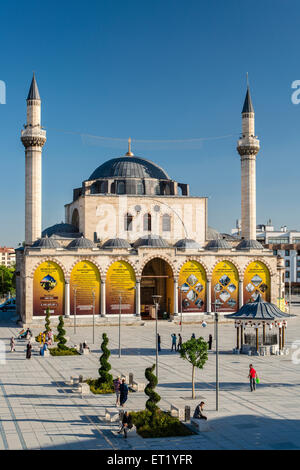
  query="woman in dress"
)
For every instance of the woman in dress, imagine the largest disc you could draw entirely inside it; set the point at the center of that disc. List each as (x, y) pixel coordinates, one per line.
(28, 350)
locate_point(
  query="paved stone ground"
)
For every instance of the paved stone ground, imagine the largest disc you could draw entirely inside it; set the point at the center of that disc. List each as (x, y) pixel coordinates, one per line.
(38, 411)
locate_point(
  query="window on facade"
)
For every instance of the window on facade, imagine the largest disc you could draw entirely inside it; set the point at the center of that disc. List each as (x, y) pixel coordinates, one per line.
(147, 223)
(157, 189)
(287, 264)
(287, 274)
(277, 240)
(287, 253)
(298, 252)
(166, 223)
(140, 188)
(121, 187)
(103, 187)
(275, 252)
(128, 223)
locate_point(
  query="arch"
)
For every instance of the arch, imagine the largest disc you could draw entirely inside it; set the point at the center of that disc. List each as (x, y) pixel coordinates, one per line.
(120, 287)
(121, 187)
(149, 258)
(48, 289)
(85, 288)
(192, 287)
(54, 260)
(119, 258)
(157, 278)
(75, 218)
(230, 260)
(85, 258)
(140, 187)
(147, 222)
(225, 286)
(198, 260)
(257, 280)
(157, 189)
(262, 260)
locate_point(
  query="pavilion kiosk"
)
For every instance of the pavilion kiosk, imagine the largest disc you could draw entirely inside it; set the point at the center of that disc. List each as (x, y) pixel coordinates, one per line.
(269, 324)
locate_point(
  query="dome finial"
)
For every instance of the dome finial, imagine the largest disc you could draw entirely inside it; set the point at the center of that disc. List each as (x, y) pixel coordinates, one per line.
(129, 153)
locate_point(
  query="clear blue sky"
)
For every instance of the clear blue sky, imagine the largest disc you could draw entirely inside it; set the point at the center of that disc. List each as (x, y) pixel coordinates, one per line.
(152, 70)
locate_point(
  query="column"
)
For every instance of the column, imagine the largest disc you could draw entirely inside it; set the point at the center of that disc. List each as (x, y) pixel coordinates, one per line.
(241, 293)
(103, 298)
(264, 333)
(237, 337)
(138, 298)
(282, 339)
(175, 296)
(208, 295)
(67, 298)
(256, 328)
(242, 336)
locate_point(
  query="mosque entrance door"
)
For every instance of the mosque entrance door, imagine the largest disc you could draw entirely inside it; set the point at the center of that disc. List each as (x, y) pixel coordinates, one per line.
(157, 279)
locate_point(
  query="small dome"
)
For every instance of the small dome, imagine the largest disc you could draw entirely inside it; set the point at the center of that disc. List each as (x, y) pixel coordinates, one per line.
(151, 240)
(63, 230)
(81, 243)
(46, 242)
(129, 167)
(187, 244)
(218, 244)
(249, 245)
(116, 243)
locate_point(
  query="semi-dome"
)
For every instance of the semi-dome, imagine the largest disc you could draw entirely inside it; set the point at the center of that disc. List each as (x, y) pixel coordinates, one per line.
(63, 230)
(129, 167)
(218, 244)
(45, 243)
(116, 243)
(213, 234)
(187, 244)
(151, 240)
(249, 245)
(81, 243)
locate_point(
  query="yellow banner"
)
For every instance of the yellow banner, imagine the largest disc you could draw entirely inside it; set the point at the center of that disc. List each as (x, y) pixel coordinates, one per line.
(192, 288)
(225, 288)
(256, 281)
(48, 289)
(281, 303)
(85, 279)
(120, 281)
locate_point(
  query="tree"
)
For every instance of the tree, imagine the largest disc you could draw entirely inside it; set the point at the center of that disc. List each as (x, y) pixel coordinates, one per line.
(47, 320)
(195, 352)
(105, 376)
(7, 280)
(149, 390)
(61, 340)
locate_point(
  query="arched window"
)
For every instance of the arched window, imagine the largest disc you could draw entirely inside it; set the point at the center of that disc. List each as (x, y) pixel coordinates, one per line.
(140, 188)
(167, 190)
(166, 223)
(157, 190)
(121, 187)
(128, 222)
(147, 223)
(75, 218)
(103, 187)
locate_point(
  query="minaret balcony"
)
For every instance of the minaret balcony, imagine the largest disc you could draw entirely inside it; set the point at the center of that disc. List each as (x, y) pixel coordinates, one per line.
(33, 137)
(248, 146)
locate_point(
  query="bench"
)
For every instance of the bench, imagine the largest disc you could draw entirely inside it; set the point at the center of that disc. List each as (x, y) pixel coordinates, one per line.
(178, 411)
(84, 351)
(200, 425)
(112, 414)
(138, 386)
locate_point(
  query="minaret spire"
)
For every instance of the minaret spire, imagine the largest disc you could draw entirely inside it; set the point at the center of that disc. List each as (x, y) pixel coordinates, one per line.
(129, 153)
(33, 138)
(248, 147)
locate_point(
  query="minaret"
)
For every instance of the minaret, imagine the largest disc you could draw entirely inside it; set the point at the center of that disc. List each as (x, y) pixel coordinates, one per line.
(33, 138)
(248, 147)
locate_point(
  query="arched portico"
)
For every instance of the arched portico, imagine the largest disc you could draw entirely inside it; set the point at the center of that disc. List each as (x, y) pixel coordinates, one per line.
(157, 279)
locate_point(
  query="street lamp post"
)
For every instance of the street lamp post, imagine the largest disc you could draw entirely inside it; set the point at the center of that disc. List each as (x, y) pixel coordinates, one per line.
(120, 309)
(156, 300)
(290, 293)
(217, 350)
(180, 287)
(75, 307)
(93, 316)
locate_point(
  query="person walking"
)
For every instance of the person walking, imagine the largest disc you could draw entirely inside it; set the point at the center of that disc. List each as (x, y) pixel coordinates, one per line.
(123, 393)
(12, 344)
(209, 342)
(117, 384)
(158, 341)
(252, 376)
(193, 336)
(174, 339)
(28, 350)
(179, 344)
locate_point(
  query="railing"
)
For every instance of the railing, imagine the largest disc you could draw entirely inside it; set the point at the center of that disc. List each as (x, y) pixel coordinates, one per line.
(33, 131)
(270, 339)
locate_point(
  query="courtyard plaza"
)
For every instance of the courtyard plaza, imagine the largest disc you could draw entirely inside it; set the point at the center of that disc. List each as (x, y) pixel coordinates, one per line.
(39, 411)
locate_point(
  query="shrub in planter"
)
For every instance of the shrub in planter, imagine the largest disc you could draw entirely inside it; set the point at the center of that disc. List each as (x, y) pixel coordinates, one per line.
(61, 340)
(105, 376)
(63, 352)
(47, 320)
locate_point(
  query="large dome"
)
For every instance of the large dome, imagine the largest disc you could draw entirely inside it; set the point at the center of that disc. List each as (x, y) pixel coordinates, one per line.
(129, 167)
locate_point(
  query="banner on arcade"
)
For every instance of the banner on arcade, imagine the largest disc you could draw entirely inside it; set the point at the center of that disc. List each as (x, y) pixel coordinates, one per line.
(192, 288)
(48, 289)
(85, 279)
(120, 281)
(225, 287)
(256, 281)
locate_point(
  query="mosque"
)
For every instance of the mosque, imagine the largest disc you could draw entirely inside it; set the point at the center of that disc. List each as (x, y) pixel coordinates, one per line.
(130, 233)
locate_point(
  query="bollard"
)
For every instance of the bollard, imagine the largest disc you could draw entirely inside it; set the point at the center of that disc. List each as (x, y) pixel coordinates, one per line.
(130, 378)
(187, 413)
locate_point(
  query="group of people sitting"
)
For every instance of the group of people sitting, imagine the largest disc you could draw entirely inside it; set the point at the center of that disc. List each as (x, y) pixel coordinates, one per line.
(83, 346)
